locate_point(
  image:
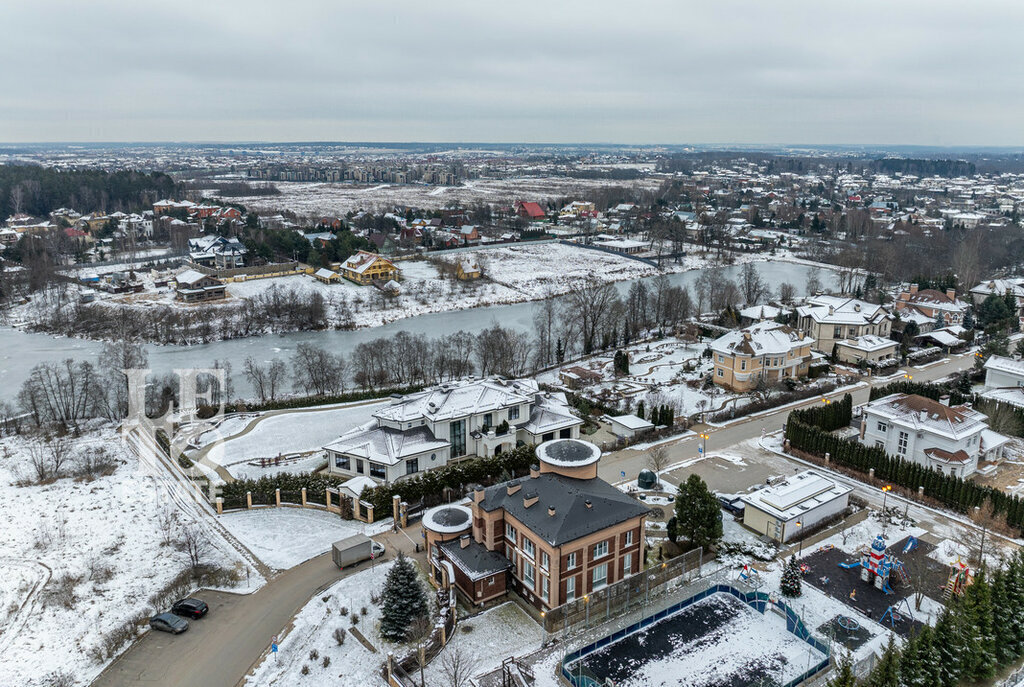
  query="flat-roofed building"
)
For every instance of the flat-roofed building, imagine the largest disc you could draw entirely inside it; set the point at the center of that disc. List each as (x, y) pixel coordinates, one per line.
(807, 498)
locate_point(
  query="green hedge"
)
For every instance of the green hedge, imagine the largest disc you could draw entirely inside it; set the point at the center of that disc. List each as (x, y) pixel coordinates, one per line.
(314, 484)
(431, 484)
(932, 391)
(953, 492)
(306, 401)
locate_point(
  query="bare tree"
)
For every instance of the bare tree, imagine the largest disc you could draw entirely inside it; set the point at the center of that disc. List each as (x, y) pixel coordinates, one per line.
(786, 292)
(813, 281)
(59, 450)
(458, 666)
(753, 287)
(318, 371)
(167, 523)
(268, 379)
(590, 304)
(194, 543)
(37, 458)
(657, 460)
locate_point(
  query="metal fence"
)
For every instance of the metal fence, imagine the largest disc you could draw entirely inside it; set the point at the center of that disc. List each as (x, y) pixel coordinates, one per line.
(623, 596)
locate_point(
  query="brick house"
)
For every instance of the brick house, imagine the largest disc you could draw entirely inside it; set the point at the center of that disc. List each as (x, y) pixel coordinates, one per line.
(555, 536)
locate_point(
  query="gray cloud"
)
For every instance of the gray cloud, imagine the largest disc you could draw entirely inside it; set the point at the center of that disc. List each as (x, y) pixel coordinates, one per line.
(943, 73)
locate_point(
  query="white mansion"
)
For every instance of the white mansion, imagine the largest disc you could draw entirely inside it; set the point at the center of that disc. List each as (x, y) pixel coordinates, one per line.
(950, 439)
(461, 419)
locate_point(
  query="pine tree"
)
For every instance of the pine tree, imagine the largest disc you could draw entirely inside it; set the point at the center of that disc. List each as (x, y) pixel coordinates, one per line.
(844, 673)
(910, 668)
(791, 584)
(948, 648)
(698, 513)
(887, 672)
(403, 600)
(640, 408)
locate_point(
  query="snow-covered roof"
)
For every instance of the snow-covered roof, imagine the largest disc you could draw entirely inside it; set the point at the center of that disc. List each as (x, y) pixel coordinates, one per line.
(762, 312)
(763, 338)
(1000, 287)
(325, 273)
(384, 444)
(631, 422)
(568, 453)
(868, 343)
(190, 277)
(459, 399)
(923, 414)
(838, 310)
(1007, 365)
(797, 495)
(362, 260)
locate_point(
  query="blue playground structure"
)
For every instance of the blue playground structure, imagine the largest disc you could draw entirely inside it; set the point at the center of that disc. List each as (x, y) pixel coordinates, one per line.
(880, 568)
(910, 545)
(896, 613)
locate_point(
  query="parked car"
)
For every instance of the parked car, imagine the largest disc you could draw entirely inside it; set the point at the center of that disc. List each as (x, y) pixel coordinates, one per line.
(168, 622)
(190, 608)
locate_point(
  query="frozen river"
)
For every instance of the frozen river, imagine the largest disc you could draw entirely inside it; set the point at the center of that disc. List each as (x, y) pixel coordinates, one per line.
(20, 351)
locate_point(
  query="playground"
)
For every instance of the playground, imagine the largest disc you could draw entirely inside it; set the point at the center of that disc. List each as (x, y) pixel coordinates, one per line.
(718, 641)
(894, 570)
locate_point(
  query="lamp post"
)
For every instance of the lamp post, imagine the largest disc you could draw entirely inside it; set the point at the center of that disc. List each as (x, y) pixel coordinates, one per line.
(885, 495)
(704, 444)
(800, 524)
(586, 605)
(543, 629)
(908, 377)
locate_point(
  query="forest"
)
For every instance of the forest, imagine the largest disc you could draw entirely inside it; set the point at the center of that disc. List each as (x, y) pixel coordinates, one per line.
(37, 191)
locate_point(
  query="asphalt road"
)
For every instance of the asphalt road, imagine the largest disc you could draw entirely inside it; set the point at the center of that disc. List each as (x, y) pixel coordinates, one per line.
(218, 650)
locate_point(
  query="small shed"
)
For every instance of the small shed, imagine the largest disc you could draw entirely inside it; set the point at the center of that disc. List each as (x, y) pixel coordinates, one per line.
(327, 276)
(628, 426)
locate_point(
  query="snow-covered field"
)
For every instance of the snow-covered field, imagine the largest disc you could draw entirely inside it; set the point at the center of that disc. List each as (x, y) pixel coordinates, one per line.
(284, 537)
(288, 432)
(350, 664)
(337, 199)
(99, 541)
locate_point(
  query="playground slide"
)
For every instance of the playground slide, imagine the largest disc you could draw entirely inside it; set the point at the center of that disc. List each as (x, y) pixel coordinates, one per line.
(910, 545)
(850, 565)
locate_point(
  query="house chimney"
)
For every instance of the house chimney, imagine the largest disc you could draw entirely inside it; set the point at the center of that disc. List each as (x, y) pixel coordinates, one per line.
(530, 498)
(478, 493)
(588, 504)
(464, 541)
(746, 336)
(534, 471)
(551, 511)
(944, 400)
(913, 288)
(951, 294)
(831, 310)
(512, 487)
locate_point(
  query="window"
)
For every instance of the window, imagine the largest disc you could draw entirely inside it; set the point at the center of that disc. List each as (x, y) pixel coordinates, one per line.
(412, 466)
(837, 332)
(359, 466)
(528, 549)
(627, 564)
(902, 447)
(743, 364)
(457, 437)
(570, 589)
(544, 587)
(377, 470)
(720, 372)
(548, 436)
(544, 561)
(513, 413)
(488, 420)
(528, 574)
(565, 433)
(721, 358)
(570, 562)
(879, 443)
(629, 538)
(882, 427)
(510, 532)
(342, 462)
(600, 549)
(600, 576)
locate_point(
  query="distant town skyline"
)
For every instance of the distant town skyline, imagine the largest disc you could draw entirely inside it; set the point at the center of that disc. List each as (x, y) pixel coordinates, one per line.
(908, 73)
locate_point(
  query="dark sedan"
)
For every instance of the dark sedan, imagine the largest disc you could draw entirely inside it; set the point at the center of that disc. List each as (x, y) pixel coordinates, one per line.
(168, 622)
(190, 608)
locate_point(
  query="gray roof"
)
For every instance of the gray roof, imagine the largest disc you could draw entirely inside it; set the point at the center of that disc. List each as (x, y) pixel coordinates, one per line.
(386, 445)
(572, 518)
(475, 560)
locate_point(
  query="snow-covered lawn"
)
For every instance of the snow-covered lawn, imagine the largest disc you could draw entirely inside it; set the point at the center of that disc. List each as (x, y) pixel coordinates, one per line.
(350, 664)
(486, 639)
(101, 538)
(298, 431)
(713, 642)
(284, 537)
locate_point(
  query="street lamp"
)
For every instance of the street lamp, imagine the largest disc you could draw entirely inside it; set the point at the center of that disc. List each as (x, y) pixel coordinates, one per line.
(543, 629)
(704, 444)
(908, 377)
(885, 494)
(800, 553)
(825, 400)
(586, 604)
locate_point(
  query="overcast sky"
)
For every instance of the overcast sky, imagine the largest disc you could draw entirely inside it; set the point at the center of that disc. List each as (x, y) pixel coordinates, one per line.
(629, 71)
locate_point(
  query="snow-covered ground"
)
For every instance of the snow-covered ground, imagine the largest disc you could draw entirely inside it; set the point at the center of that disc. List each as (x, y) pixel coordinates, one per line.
(284, 537)
(487, 639)
(299, 431)
(316, 199)
(350, 664)
(99, 543)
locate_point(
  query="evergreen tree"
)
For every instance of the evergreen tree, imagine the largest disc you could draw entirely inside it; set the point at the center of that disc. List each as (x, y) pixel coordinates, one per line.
(791, 584)
(403, 600)
(948, 648)
(640, 410)
(887, 672)
(844, 673)
(698, 513)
